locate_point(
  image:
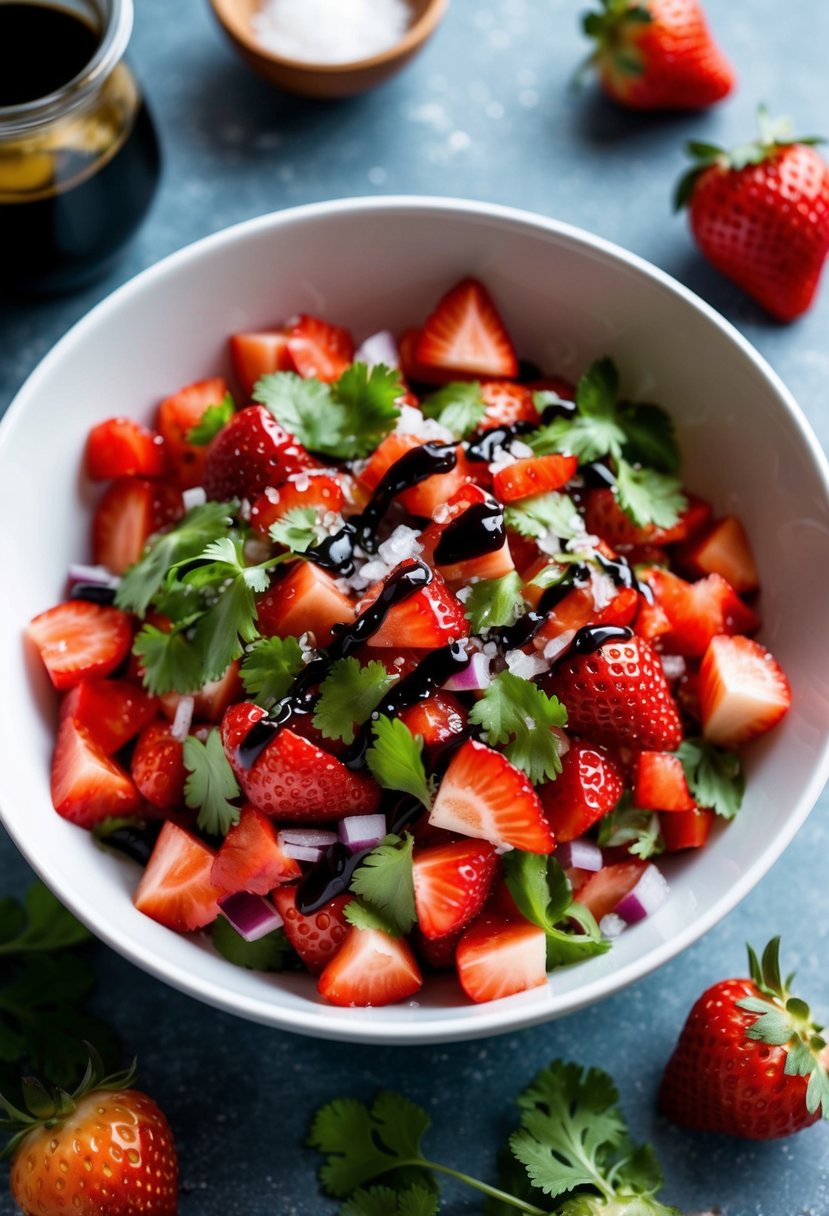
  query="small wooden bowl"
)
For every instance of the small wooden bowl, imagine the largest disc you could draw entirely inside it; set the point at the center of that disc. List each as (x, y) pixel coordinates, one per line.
(325, 80)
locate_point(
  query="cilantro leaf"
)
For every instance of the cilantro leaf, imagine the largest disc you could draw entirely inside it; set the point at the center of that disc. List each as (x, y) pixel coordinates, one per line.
(349, 695)
(494, 602)
(296, 530)
(544, 896)
(362, 1143)
(715, 776)
(221, 633)
(553, 437)
(595, 431)
(383, 1201)
(269, 953)
(41, 924)
(649, 497)
(187, 540)
(270, 667)
(170, 662)
(516, 714)
(396, 759)
(628, 825)
(459, 406)
(385, 883)
(210, 784)
(649, 436)
(543, 514)
(211, 422)
(303, 406)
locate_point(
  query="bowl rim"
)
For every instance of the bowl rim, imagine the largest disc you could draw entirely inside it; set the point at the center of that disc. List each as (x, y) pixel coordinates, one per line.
(502, 1016)
(417, 33)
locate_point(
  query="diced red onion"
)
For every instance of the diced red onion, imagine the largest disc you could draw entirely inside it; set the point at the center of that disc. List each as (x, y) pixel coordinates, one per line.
(650, 893)
(252, 916)
(379, 348)
(580, 855)
(558, 644)
(611, 926)
(361, 831)
(97, 576)
(305, 844)
(194, 497)
(182, 719)
(473, 678)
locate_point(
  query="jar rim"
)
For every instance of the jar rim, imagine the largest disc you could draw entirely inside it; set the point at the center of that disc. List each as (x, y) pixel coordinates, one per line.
(117, 22)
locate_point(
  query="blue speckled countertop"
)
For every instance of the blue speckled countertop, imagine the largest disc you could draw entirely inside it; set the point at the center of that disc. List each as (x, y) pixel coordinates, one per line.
(485, 113)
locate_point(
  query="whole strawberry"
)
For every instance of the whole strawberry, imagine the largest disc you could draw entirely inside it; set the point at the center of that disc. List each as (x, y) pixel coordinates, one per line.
(107, 1148)
(760, 214)
(657, 55)
(750, 1061)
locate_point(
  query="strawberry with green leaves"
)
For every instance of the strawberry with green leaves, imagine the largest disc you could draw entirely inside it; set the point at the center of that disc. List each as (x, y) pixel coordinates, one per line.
(760, 214)
(750, 1060)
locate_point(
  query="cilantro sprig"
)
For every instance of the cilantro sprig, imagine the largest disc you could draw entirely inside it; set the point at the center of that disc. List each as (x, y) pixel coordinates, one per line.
(270, 667)
(459, 406)
(346, 419)
(385, 886)
(396, 759)
(349, 695)
(495, 602)
(542, 515)
(210, 785)
(628, 825)
(715, 776)
(517, 716)
(544, 896)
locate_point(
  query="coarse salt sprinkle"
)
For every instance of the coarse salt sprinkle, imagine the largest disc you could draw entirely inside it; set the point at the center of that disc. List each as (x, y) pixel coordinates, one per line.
(330, 31)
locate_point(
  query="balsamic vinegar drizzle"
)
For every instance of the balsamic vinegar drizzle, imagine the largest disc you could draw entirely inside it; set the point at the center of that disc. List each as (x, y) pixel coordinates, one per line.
(477, 531)
(483, 448)
(93, 593)
(590, 637)
(413, 467)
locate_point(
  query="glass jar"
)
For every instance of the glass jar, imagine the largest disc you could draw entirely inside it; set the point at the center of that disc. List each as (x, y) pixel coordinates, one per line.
(79, 156)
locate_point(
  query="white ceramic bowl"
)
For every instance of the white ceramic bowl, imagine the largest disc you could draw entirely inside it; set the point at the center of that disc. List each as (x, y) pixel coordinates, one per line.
(566, 297)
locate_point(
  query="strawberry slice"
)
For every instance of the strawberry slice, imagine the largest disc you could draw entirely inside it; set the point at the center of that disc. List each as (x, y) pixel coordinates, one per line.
(484, 796)
(451, 512)
(436, 719)
(318, 937)
(686, 829)
(697, 612)
(175, 888)
(618, 695)
(723, 549)
(309, 489)
(128, 514)
(743, 691)
(292, 778)
(466, 334)
(437, 953)
(121, 447)
(319, 349)
(158, 766)
(589, 785)
(507, 403)
(111, 711)
(250, 858)
(176, 417)
(651, 620)
(603, 891)
(88, 786)
(431, 617)
(605, 517)
(422, 499)
(535, 475)
(659, 783)
(497, 957)
(259, 354)
(451, 885)
(305, 600)
(370, 969)
(78, 640)
(253, 451)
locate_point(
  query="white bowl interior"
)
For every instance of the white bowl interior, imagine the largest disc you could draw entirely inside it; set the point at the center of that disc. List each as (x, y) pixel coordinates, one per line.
(566, 298)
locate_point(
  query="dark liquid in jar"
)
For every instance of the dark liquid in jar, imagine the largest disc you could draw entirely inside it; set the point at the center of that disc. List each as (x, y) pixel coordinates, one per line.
(69, 228)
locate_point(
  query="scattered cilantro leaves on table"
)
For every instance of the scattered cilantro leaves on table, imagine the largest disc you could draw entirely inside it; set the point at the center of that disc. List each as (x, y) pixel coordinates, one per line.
(459, 406)
(396, 759)
(210, 784)
(516, 715)
(628, 825)
(349, 695)
(494, 602)
(413, 1200)
(211, 422)
(544, 896)
(384, 884)
(270, 667)
(715, 776)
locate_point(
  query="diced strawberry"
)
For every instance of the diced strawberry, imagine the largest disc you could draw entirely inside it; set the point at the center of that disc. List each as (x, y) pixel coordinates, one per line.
(605, 517)
(309, 489)
(466, 334)
(78, 640)
(602, 892)
(250, 858)
(436, 719)
(507, 403)
(438, 954)
(621, 610)
(651, 620)
(417, 372)
(484, 796)
(253, 451)
(534, 475)
(618, 695)
(743, 691)
(292, 778)
(370, 969)
(422, 499)
(88, 786)
(111, 711)
(158, 766)
(121, 447)
(128, 514)
(318, 937)
(175, 888)
(451, 885)
(461, 572)
(686, 829)
(306, 599)
(659, 783)
(176, 417)
(211, 700)
(498, 958)
(723, 549)
(429, 618)
(589, 785)
(259, 354)
(697, 612)
(319, 349)
(570, 614)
